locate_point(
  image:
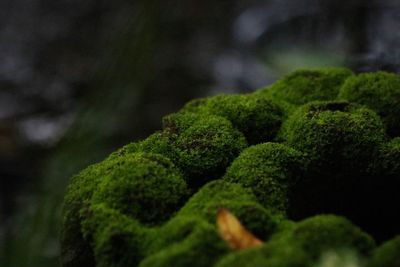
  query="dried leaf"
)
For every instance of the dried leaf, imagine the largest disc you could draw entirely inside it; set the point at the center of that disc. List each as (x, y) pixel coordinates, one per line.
(233, 232)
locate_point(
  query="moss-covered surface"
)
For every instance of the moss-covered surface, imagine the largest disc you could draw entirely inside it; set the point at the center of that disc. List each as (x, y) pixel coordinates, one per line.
(316, 142)
(379, 91)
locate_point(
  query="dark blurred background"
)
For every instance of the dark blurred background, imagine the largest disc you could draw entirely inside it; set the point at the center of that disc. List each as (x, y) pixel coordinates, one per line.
(79, 79)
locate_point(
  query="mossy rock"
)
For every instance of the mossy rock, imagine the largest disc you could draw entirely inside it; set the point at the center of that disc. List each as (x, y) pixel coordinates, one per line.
(280, 159)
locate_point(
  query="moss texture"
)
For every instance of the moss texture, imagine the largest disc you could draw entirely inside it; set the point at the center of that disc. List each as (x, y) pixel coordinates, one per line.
(387, 255)
(379, 91)
(269, 170)
(303, 86)
(316, 142)
(258, 118)
(305, 243)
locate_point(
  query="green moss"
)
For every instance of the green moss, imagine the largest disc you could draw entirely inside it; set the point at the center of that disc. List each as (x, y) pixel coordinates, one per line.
(117, 240)
(302, 86)
(329, 232)
(75, 251)
(217, 192)
(340, 142)
(304, 243)
(386, 185)
(379, 91)
(239, 201)
(204, 145)
(137, 207)
(257, 117)
(387, 255)
(145, 186)
(334, 133)
(157, 143)
(390, 157)
(201, 248)
(268, 170)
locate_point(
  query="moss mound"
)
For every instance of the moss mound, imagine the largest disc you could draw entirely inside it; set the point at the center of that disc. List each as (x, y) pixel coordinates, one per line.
(316, 142)
(387, 255)
(303, 86)
(380, 92)
(304, 243)
(258, 118)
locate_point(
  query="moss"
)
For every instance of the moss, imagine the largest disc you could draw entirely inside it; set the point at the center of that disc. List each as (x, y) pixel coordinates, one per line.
(379, 91)
(75, 251)
(217, 192)
(201, 248)
(112, 235)
(145, 186)
(329, 232)
(385, 185)
(387, 255)
(257, 117)
(268, 170)
(304, 243)
(157, 143)
(390, 158)
(239, 201)
(340, 141)
(334, 133)
(137, 207)
(302, 86)
(204, 145)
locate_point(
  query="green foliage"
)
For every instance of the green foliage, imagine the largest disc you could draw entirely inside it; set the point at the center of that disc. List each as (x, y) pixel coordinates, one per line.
(379, 91)
(154, 202)
(269, 169)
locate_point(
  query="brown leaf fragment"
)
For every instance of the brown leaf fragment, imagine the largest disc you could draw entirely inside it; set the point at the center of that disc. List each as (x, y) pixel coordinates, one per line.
(233, 232)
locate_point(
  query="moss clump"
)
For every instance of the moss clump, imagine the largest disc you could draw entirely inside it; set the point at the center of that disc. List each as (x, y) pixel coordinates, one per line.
(387, 255)
(390, 157)
(386, 185)
(341, 142)
(201, 247)
(258, 118)
(379, 91)
(238, 200)
(303, 86)
(334, 134)
(269, 170)
(329, 232)
(204, 145)
(112, 235)
(157, 143)
(155, 202)
(75, 251)
(145, 186)
(304, 243)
